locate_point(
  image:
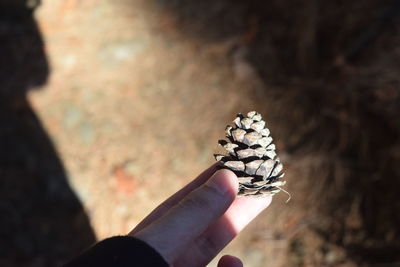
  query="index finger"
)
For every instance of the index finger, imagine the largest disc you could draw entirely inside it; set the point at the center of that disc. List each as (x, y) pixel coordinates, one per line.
(242, 211)
(175, 231)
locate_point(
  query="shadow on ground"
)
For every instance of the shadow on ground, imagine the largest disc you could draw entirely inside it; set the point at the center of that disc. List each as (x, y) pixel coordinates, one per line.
(42, 222)
(334, 68)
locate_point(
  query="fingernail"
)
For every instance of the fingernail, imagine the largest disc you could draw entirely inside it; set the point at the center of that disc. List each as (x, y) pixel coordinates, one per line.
(224, 181)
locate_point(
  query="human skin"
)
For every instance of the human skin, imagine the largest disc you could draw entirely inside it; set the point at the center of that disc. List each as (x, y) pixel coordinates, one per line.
(192, 226)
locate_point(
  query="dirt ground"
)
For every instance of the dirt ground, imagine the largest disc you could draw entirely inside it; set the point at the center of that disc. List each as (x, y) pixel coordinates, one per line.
(107, 107)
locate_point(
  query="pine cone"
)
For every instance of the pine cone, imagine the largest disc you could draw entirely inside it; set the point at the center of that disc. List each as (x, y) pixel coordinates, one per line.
(251, 156)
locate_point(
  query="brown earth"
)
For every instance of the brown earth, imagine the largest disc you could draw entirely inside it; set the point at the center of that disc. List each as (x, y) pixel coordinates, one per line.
(110, 106)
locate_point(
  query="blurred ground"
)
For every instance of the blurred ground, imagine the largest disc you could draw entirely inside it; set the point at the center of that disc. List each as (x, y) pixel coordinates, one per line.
(133, 95)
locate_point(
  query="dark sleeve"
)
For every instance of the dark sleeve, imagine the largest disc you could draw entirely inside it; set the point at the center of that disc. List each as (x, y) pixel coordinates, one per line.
(119, 251)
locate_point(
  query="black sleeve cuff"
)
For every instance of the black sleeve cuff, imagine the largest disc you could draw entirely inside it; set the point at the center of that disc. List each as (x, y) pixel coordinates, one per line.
(119, 251)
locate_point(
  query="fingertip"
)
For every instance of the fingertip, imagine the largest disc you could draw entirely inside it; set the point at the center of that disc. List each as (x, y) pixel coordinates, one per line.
(229, 261)
(262, 202)
(244, 210)
(257, 203)
(225, 181)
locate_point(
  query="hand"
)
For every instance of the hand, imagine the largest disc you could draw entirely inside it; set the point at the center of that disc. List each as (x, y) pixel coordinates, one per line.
(192, 226)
